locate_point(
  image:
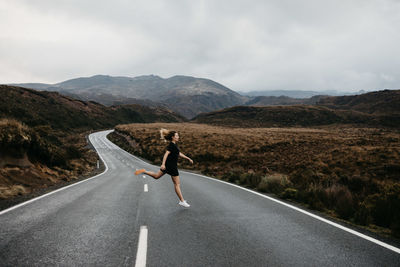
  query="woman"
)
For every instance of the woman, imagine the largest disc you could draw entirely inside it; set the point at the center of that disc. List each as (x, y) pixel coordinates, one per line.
(170, 163)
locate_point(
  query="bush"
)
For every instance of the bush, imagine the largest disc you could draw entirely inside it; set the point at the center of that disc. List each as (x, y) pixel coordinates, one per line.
(15, 137)
(303, 177)
(314, 197)
(72, 152)
(251, 179)
(344, 203)
(340, 199)
(275, 183)
(363, 214)
(231, 176)
(289, 193)
(384, 207)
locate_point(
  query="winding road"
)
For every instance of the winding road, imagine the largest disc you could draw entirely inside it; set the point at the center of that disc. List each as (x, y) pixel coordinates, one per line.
(119, 219)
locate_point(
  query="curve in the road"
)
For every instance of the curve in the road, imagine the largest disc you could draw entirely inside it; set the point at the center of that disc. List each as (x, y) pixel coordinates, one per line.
(62, 188)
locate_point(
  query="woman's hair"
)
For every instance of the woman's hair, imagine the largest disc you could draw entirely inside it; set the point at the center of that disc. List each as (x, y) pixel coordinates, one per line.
(166, 134)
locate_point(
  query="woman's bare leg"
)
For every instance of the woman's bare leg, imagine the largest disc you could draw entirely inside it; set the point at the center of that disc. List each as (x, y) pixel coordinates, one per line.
(177, 184)
(154, 175)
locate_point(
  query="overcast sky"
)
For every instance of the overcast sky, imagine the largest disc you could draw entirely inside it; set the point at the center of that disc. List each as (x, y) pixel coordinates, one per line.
(343, 45)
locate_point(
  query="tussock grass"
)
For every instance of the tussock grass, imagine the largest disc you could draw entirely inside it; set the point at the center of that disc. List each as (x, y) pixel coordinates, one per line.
(37, 157)
(352, 173)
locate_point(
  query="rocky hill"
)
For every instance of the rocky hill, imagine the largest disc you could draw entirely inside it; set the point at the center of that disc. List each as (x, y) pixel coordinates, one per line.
(186, 95)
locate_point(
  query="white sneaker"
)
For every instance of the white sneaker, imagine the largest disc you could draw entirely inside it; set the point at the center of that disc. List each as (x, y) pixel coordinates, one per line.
(184, 203)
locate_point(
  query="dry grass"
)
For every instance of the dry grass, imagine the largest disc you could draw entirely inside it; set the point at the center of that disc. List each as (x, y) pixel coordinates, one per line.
(34, 158)
(333, 168)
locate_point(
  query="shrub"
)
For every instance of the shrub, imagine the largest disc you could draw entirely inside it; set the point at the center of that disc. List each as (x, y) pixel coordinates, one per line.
(231, 176)
(363, 214)
(384, 207)
(251, 179)
(15, 137)
(314, 197)
(72, 152)
(303, 177)
(340, 199)
(274, 183)
(357, 183)
(289, 193)
(344, 204)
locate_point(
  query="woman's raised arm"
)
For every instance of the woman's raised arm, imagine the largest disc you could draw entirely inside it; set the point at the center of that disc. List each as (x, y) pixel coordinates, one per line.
(185, 157)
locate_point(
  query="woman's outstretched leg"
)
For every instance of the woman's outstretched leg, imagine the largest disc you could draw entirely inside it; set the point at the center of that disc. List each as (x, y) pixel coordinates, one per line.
(177, 184)
(153, 174)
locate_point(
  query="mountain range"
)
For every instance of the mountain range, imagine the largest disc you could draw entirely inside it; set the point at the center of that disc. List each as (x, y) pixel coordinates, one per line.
(190, 96)
(185, 95)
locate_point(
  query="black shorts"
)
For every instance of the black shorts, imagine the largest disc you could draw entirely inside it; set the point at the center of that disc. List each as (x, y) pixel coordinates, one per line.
(171, 171)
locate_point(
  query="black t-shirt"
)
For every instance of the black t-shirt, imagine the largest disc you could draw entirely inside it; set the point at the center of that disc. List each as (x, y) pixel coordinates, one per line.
(172, 159)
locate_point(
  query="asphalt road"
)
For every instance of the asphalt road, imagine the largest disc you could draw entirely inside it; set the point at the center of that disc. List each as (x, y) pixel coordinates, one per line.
(97, 223)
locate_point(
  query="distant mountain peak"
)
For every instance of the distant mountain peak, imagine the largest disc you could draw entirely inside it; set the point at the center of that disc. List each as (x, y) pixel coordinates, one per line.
(184, 94)
(147, 77)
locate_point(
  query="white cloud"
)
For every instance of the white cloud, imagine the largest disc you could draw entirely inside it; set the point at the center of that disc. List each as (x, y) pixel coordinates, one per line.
(257, 45)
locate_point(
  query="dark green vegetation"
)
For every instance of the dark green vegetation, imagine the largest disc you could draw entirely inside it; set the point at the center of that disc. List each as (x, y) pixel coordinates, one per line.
(42, 136)
(351, 173)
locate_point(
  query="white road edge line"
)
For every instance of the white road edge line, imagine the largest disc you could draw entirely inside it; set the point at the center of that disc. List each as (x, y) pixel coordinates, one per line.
(376, 241)
(58, 190)
(145, 188)
(142, 247)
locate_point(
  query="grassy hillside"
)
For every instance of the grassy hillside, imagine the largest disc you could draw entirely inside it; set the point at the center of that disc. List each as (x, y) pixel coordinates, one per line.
(282, 100)
(384, 102)
(350, 173)
(61, 112)
(289, 116)
(33, 158)
(43, 136)
(279, 116)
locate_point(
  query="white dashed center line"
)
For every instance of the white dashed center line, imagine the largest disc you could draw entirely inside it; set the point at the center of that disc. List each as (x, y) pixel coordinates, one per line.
(142, 247)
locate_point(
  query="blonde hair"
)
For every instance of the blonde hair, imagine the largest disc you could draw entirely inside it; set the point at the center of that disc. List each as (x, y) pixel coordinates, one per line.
(166, 134)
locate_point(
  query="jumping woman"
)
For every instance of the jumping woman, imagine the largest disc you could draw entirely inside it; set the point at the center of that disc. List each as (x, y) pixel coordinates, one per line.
(170, 163)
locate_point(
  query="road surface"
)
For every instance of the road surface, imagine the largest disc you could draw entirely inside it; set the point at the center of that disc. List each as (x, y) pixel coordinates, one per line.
(119, 219)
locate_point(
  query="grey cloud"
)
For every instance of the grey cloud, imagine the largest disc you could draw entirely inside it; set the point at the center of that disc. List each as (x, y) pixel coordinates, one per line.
(257, 45)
